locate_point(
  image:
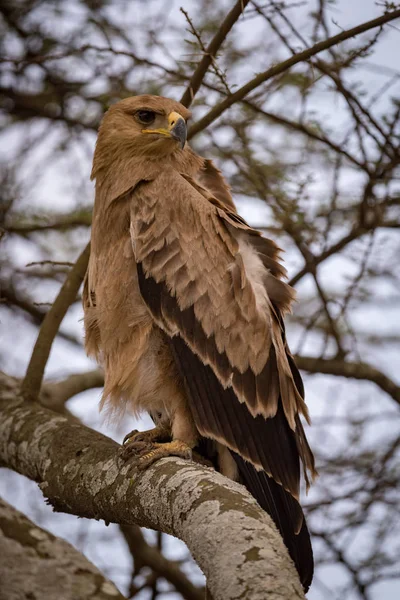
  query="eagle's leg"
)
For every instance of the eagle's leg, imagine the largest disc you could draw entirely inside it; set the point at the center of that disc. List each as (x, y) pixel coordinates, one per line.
(160, 433)
(137, 442)
(184, 439)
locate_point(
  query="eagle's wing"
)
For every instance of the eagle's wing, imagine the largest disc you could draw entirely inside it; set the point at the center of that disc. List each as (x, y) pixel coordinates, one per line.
(213, 286)
(212, 280)
(212, 179)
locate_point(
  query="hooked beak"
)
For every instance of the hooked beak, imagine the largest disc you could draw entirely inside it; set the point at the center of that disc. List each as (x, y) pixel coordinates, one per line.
(176, 129)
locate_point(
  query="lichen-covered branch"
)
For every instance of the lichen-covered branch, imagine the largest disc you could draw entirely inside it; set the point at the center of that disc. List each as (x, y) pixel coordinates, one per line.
(232, 539)
(54, 395)
(36, 564)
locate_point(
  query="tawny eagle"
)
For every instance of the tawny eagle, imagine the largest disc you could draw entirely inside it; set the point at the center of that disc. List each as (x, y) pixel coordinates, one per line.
(184, 306)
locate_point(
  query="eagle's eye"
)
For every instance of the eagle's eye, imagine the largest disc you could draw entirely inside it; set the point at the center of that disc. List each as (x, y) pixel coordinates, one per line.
(146, 117)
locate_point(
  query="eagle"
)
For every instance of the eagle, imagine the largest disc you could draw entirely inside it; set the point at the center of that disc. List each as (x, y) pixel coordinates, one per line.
(184, 307)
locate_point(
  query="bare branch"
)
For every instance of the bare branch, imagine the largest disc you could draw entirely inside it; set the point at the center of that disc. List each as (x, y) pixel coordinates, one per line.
(11, 298)
(51, 323)
(354, 234)
(211, 52)
(61, 391)
(261, 78)
(355, 370)
(150, 556)
(305, 130)
(62, 223)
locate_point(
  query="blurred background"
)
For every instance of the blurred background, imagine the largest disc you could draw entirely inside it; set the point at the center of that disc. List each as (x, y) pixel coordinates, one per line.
(312, 156)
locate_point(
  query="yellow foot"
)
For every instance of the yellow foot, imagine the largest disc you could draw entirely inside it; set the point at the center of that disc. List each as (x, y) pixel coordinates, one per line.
(158, 434)
(150, 453)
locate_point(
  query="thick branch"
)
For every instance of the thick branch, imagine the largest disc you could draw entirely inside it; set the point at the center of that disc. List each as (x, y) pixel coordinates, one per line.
(51, 323)
(36, 564)
(79, 472)
(54, 396)
(355, 370)
(212, 49)
(283, 66)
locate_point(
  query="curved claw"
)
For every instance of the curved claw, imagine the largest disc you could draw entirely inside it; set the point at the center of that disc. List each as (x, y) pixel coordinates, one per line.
(158, 434)
(129, 449)
(130, 435)
(143, 454)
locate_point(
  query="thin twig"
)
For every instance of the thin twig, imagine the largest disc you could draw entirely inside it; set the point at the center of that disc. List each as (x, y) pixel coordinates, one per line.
(50, 262)
(212, 49)
(354, 234)
(221, 76)
(261, 78)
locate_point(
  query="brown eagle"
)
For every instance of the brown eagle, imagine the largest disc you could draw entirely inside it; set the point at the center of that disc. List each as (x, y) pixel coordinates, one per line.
(184, 306)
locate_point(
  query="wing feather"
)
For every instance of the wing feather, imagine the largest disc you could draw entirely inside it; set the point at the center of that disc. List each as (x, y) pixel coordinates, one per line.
(201, 253)
(196, 279)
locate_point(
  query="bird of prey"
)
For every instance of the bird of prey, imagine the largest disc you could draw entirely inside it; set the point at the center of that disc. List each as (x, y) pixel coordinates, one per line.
(184, 305)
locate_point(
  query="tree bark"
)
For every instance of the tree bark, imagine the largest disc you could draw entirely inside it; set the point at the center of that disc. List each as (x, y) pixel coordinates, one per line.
(231, 538)
(35, 564)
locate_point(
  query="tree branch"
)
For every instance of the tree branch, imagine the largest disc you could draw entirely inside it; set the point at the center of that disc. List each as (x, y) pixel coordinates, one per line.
(61, 223)
(32, 106)
(78, 470)
(150, 556)
(54, 395)
(59, 392)
(305, 130)
(211, 51)
(11, 298)
(215, 112)
(36, 564)
(354, 234)
(51, 323)
(354, 370)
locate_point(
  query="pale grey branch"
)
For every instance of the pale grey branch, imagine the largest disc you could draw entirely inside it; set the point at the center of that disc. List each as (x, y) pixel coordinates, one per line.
(232, 539)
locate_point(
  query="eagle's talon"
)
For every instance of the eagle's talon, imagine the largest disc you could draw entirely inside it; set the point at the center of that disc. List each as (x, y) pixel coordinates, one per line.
(130, 435)
(174, 448)
(134, 449)
(157, 434)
